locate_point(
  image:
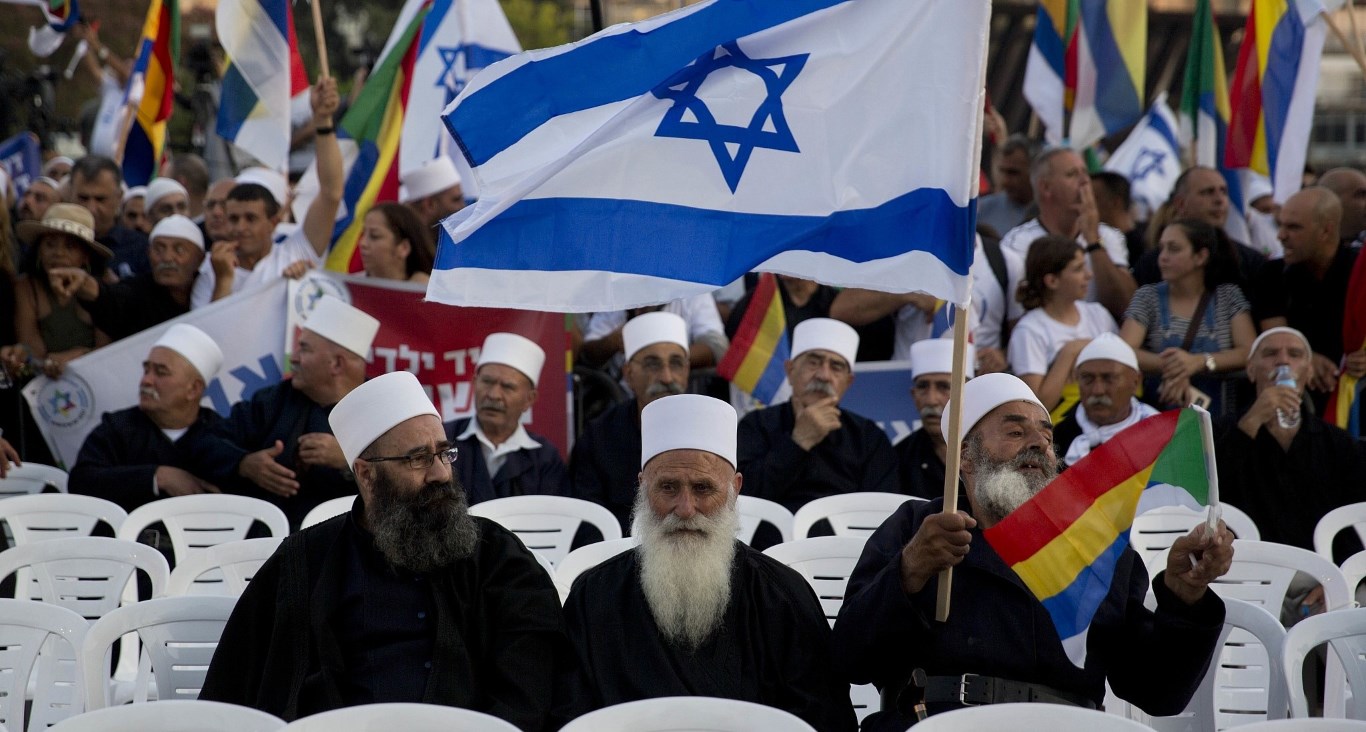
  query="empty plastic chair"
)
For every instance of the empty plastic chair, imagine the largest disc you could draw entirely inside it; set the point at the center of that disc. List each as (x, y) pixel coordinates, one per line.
(330, 508)
(1154, 531)
(691, 713)
(1345, 633)
(233, 565)
(177, 635)
(547, 524)
(197, 522)
(1028, 718)
(27, 630)
(177, 715)
(1317, 724)
(1354, 571)
(756, 511)
(1352, 516)
(585, 558)
(406, 717)
(41, 516)
(32, 478)
(849, 514)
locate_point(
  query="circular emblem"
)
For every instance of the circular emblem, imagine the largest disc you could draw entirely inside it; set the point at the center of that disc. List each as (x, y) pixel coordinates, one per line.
(66, 402)
(313, 286)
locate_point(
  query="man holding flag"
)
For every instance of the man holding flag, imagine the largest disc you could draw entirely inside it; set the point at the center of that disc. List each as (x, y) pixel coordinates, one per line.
(1001, 643)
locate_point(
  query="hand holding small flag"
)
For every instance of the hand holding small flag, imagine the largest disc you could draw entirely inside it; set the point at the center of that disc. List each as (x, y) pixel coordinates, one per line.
(1197, 559)
(940, 543)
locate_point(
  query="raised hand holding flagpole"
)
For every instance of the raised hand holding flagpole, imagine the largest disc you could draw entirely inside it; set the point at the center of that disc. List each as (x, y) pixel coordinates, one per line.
(326, 69)
(953, 440)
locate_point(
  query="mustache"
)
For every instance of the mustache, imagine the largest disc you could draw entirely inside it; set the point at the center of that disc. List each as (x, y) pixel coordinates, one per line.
(820, 386)
(1033, 457)
(1100, 400)
(493, 405)
(149, 392)
(931, 412)
(167, 267)
(659, 388)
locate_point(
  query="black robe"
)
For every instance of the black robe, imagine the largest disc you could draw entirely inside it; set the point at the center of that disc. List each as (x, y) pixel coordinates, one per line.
(997, 627)
(525, 472)
(855, 457)
(773, 647)
(497, 634)
(120, 457)
(605, 462)
(132, 306)
(919, 468)
(279, 412)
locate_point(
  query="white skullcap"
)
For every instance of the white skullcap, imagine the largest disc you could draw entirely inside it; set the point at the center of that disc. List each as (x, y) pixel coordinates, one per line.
(1108, 347)
(435, 176)
(935, 356)
(343, 324)
(1280, 329)
(375, 407)
(128, 195)
(510, 349)
(49, 182)
(180, 226)
(161, 188)
(989, 391)
(654, 327)
(196, 346)
(58, 160)
(688, 422)
(1255, 186)
(277, 184)
(826, 334)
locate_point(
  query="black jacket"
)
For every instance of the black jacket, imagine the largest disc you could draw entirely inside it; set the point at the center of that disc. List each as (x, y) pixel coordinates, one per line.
(120, 457)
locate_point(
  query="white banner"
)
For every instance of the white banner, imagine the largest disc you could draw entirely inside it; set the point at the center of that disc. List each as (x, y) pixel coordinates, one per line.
(246, 326)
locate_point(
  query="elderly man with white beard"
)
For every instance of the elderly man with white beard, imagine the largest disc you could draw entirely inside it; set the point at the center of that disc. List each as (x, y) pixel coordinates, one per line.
(1108, 377)
(692, 611)
(406, 598)
(999, 643)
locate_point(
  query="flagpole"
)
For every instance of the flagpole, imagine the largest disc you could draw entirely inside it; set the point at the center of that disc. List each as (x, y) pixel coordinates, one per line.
(953, 441)
(321, 37)
(1352, 48)
(1352, 23)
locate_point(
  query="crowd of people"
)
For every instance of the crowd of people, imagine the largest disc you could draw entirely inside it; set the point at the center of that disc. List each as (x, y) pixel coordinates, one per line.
(1084, 321)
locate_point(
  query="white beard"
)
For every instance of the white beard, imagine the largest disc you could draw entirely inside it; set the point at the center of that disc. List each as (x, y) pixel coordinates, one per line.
(1001, 488)
(686, 576)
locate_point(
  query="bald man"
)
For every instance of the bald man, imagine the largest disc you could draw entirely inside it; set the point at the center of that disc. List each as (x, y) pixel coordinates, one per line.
(1349, 185)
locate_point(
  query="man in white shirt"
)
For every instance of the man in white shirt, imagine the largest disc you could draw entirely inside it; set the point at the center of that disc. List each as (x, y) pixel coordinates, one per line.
(603, 343)
(1067, 207)
(251, 256)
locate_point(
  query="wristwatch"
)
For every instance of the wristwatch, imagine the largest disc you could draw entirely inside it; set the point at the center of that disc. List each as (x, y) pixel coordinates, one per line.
(1094, 246)
(1210, 366)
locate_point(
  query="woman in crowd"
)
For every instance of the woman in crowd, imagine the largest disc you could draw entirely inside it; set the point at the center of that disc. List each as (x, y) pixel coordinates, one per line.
(1192, 330)
(394, 245)
(52, 327)
(1058, 322)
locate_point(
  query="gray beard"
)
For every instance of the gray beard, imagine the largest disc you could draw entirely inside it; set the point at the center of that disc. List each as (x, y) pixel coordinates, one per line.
(686, 577)
(423, 532)
(1001, 488)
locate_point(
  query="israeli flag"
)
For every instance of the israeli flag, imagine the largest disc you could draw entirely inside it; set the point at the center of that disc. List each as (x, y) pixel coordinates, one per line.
(825, 139)
(1150, 156)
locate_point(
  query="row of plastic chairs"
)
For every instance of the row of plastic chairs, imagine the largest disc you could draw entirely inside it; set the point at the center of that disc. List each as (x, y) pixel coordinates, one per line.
(1055, 718)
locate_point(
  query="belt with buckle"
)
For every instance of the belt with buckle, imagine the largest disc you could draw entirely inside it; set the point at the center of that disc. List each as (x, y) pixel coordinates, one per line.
(973, 689)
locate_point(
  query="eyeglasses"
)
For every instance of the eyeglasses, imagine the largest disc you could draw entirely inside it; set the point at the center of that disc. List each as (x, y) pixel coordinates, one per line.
(421, 460)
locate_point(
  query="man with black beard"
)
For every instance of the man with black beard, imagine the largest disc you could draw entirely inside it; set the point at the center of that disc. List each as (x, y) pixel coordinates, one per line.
(603, 465)
(407, 598)
(920, 455)
(999, 643)
(810, 448)
(692, 611)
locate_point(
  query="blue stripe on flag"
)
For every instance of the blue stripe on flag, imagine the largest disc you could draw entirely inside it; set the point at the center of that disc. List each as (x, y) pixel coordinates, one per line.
(278, 12)
(367, 156)
(236, 103)
(1073, 608)
(495, 117)
(774, 375)
(1117, 101)
(1049, 44)
(1278, 81)
(1159, 125)
(703, 245)
(435, 15)
(138, 157)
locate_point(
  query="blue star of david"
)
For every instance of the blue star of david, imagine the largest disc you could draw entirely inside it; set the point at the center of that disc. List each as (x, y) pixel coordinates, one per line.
(61, 402)
(777, 75)
(453, 75)
(1149, 161)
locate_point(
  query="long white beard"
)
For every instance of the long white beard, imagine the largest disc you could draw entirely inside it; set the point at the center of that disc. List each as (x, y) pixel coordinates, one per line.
(686, 576)
(1001, 488)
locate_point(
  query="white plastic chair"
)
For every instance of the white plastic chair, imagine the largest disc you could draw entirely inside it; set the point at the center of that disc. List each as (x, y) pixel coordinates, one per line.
(1345, 633)
(547, 524)
(176, 715)
(236, 562)
(178, 636)
(1154, 531)
(1316, 724)
(25, 630)
(32, 478)
(1244, 682)
(826, 562)
(1351, 516)
(755, 511)
(1028, 718)
(327, 509)
(395, 716)
(849, 514)
(690, 713)
(41, 516)
(585, 558)
(1354, 571)
(197, 522)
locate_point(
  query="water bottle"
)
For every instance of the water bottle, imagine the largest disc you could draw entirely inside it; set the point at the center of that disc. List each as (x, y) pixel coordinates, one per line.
(1285, 377)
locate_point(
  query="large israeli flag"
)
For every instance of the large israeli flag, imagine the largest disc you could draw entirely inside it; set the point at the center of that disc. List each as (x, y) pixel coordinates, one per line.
(837, 141)
(1150, 157)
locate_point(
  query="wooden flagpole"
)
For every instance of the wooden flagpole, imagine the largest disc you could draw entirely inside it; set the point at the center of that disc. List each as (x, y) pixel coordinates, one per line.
(321, 37)
(953, 441)
(1352, 48)
(1352, 23)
